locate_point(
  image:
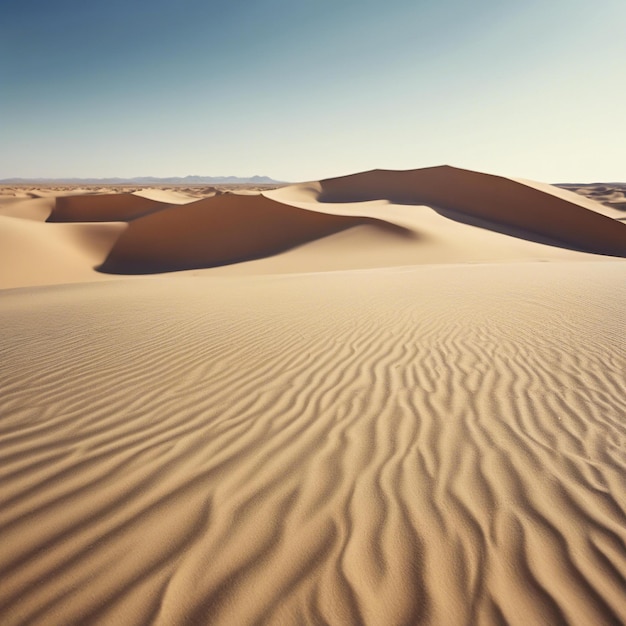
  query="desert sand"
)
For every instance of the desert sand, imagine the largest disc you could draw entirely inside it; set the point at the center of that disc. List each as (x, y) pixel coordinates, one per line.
(387, 398)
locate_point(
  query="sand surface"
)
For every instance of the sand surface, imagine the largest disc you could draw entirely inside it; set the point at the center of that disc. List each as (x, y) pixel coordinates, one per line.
(388, 398)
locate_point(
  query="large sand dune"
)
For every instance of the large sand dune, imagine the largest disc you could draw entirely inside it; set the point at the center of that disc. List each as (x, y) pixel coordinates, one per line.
(433, 433)
(510, 205)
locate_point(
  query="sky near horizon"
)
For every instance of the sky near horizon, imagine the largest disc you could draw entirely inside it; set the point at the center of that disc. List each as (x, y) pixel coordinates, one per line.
(302, 89)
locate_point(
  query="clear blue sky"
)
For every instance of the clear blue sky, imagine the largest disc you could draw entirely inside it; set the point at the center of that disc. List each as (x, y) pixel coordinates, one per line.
(305, 89)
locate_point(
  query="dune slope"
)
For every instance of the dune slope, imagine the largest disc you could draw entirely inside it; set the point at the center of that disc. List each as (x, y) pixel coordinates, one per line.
(34, 253)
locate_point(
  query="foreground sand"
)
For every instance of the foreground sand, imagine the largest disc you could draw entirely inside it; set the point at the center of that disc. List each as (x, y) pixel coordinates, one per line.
(437, 443)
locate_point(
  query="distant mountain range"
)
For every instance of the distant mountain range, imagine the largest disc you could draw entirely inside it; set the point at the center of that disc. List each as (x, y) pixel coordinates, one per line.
(151, 180)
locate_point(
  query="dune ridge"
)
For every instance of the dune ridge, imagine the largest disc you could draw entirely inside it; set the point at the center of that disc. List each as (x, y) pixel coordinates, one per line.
(520, 205)
(426, 445)
(103, 207)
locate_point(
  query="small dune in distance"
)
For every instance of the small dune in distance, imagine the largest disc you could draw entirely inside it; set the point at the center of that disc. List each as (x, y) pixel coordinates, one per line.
(391, 397)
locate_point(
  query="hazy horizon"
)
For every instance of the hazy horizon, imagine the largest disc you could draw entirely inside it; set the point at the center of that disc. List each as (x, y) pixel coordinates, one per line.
(261, 179)
(298, 92)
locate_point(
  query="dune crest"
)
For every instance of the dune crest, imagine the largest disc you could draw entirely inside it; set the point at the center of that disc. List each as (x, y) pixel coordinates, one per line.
(106, 207)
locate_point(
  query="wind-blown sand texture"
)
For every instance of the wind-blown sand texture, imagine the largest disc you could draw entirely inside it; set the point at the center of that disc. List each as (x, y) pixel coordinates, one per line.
(389, 398)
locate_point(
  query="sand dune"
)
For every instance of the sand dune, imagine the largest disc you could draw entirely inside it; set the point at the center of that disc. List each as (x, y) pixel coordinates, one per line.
(400, 402)
(217, 231)
(516, 207)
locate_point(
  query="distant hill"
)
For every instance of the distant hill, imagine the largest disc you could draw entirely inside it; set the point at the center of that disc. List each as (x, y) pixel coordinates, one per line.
(151, 180)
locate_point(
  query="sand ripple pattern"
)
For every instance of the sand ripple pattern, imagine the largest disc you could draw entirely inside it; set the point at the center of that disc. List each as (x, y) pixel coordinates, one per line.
(439, 445)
